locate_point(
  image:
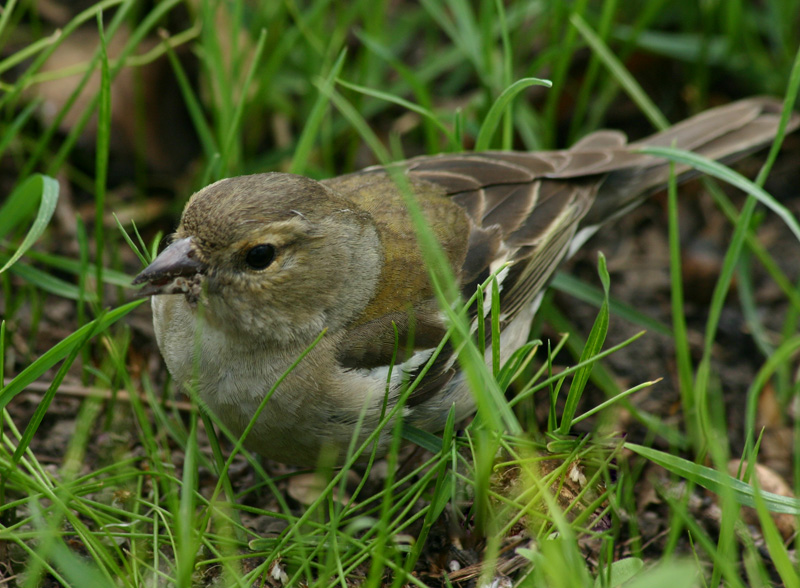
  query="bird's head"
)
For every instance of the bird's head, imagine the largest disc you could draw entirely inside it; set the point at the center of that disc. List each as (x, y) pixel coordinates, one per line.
(271, 256)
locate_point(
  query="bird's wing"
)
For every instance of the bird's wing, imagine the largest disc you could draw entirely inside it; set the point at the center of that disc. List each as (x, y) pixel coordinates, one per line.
(524, 209)
(501, 211)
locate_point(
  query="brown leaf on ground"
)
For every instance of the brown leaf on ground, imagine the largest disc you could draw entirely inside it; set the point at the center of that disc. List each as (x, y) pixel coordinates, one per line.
(769, 481)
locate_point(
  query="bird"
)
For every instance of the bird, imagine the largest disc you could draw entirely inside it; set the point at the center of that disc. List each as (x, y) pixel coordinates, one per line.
(262, 266)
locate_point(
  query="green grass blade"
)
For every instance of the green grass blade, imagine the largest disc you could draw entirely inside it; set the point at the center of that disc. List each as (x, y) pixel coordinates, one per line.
(681, 338)
(50, 283)
(783, 561)
(61, 350)
(594, 345)
(403, 103)
(726, 174)
(234, 130)
(101, 159)
(569, 284)
(498, 109)
(193, 106)
(617, 69)
(302, 152)
(29, 51)
(13, 130)
(37, 187)
(44, 404)
(715, 481)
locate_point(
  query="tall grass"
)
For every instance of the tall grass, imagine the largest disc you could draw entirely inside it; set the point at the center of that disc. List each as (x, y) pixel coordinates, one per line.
(145, 494)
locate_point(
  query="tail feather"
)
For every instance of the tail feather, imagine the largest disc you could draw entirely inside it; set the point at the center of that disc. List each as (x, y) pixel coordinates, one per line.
(724, 134)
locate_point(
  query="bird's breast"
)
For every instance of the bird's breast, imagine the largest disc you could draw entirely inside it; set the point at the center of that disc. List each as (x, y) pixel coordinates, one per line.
(233, 375)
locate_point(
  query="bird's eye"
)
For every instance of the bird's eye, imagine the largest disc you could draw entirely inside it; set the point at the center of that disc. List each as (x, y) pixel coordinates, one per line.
(260, 256)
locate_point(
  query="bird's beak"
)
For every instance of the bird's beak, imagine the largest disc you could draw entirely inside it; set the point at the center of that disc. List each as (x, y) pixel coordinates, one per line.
(174, 271)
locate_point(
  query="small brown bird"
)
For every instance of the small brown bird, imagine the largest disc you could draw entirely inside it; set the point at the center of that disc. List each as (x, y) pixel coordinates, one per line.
(260, 265)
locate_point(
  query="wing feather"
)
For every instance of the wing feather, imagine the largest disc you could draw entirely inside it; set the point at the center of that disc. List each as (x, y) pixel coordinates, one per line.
(523, 209)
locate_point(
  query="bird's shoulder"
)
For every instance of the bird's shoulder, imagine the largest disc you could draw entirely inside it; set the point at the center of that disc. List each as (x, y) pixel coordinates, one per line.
(404, 284)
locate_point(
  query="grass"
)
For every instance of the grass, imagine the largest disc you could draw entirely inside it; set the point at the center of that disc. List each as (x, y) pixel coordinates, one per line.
(143, 493)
